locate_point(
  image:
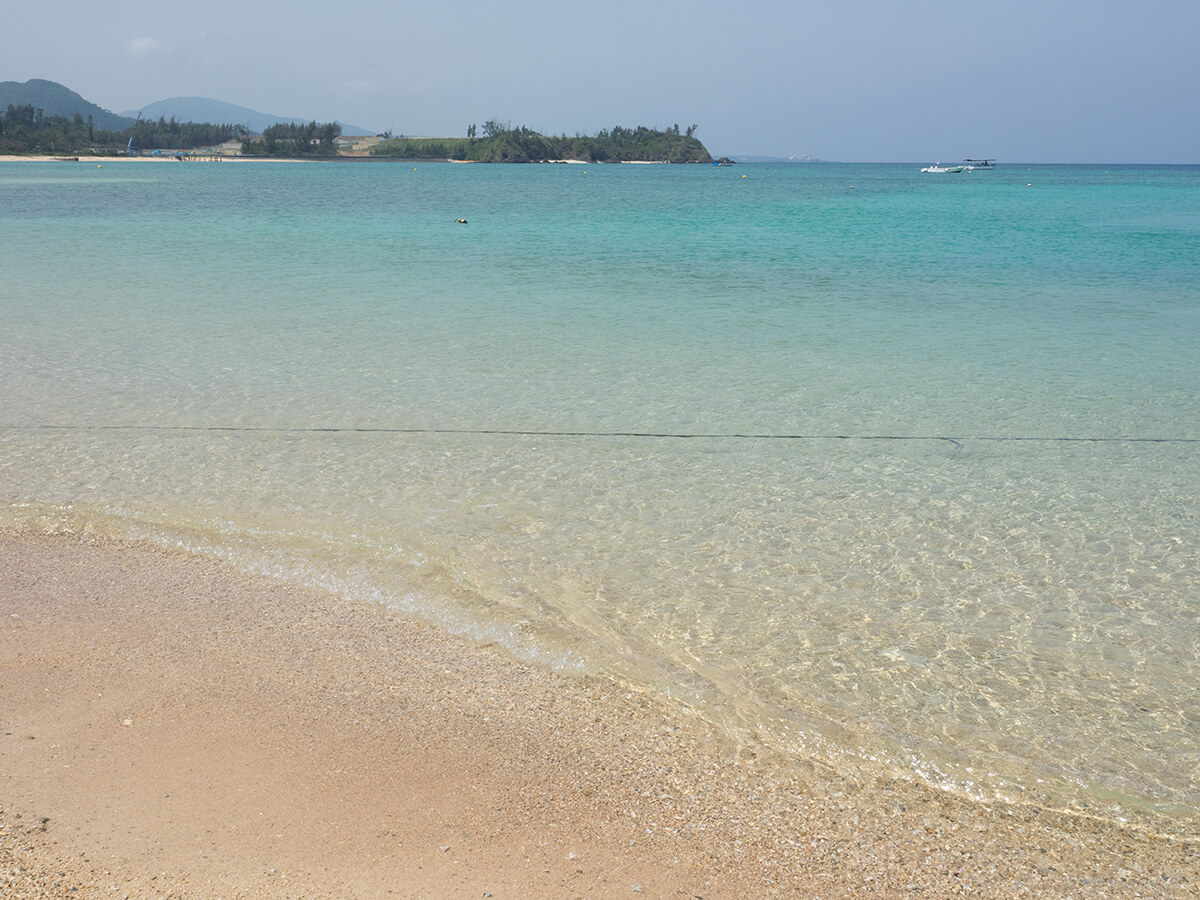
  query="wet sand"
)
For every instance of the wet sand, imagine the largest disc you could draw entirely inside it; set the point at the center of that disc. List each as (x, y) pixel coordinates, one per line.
(170, 728)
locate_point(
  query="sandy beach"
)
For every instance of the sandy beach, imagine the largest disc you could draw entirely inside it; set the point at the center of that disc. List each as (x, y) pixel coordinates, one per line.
(171, 728)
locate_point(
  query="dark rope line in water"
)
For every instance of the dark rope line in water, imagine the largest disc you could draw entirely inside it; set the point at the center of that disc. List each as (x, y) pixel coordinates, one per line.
(957, 441)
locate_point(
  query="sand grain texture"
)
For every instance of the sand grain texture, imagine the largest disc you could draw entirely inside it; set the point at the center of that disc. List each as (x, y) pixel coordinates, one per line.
(171, 728)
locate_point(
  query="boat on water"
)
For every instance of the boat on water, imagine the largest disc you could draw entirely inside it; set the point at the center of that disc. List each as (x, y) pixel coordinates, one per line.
(973, 164)
(939, 169)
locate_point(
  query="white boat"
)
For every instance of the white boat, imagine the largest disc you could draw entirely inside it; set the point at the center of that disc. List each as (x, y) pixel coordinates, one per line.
(939, 169)
(973, 165)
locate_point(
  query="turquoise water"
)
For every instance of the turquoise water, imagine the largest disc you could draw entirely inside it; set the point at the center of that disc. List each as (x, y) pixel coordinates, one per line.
(893, 471)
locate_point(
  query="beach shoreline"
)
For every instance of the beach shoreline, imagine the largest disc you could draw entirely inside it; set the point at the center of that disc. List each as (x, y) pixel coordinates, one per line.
(174, 728)
(167, 157)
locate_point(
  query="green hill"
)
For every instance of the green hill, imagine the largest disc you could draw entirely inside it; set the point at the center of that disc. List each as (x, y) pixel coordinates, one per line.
(55, 100)
(502, 143)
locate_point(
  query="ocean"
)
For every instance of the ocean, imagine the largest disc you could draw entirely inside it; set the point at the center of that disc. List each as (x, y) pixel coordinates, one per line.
(893, 473)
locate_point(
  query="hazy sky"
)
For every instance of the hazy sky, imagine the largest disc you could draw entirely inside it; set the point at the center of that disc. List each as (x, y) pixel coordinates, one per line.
(856, 80)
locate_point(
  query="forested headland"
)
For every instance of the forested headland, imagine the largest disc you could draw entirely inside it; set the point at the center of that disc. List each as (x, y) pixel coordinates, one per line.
(503, 143)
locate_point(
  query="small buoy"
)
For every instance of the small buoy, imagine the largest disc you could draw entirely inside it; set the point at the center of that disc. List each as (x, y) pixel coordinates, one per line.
(99, 167)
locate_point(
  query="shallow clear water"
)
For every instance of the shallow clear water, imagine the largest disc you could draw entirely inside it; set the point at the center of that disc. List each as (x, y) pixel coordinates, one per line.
(890, 470)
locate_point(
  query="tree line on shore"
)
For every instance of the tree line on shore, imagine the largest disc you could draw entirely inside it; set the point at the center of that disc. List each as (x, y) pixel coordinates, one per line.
(25, 129)
(289, 139)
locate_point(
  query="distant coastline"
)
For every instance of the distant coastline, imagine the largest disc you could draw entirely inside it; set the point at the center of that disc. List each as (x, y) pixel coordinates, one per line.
(43, 115)
(169, 158)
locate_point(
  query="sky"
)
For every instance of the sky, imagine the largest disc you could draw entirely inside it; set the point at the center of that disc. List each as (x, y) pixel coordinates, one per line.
(853, 81)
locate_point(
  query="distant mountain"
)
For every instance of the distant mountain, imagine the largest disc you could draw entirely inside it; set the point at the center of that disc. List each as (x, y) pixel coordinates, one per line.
(55, 100)
(217, 112)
